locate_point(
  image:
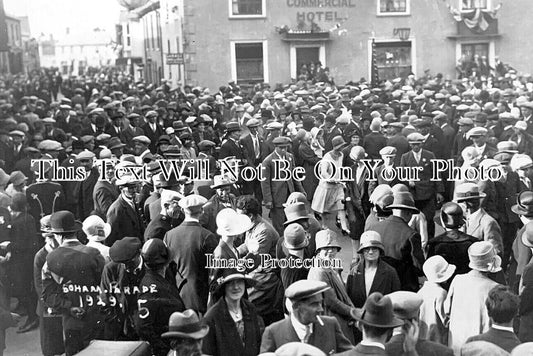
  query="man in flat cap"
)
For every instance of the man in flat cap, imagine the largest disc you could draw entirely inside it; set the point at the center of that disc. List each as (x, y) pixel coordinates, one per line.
(142, 149)
(406, 307)
(119, 277)
(152, 129)
(305, 325)
(478, 135)
(188, 244)
(254, 151)
(276, 192)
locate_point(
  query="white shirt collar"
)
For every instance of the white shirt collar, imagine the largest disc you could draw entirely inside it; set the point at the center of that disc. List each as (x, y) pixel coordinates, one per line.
(503, 328)
(373, 343)
(299, 327)
(191, 219)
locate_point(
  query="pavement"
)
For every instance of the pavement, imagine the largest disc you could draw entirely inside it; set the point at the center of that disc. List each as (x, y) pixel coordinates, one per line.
(26, 344)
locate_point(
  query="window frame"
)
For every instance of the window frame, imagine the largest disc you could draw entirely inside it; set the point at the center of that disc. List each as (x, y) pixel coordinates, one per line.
(233, 16)
(463, 9)
(233, 58)
(385, 14)
(412, 40)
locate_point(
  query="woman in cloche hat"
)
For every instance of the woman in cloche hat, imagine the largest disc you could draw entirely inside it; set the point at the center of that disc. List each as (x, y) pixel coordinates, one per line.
(233, 318)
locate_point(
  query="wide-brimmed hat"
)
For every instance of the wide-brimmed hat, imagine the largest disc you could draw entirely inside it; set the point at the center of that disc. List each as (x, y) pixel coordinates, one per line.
(468, 191)
(228, 275)
(326, 238)
(96, 228)
(437, 269)
(524, 204)
(231, 223)
(295, 197)
(294, 237)
(404, 201)
(64, 222)
(221, 181)
(295, 212)
(186, 325)
(483, 257)
(378, 312)
(370, 239)
(527, 235)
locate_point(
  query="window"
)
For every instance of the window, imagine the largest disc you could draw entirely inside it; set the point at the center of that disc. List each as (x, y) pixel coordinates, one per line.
(393, 59)
(473, 50)
(254, 8)
(249, 64)
(473, 4)
(393, 7)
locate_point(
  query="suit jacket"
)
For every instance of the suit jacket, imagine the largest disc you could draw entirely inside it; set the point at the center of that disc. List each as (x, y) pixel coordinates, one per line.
(104, 194)
(211, 210)
(423, 347)
(124, 221)
(231, 149)
(362, 350)
(425, 188)
(505, 339)
(484, 227)
(401, 144)
(328, 338)
(277, 192)
(188, 244)
(247, 145)
(152, 135)
(385, 281)
(506, 193)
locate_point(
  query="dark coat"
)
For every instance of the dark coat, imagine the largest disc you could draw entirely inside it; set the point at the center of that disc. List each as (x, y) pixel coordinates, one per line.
(505, 339)
(44, 198)
(423, 347)
(424, 188)
(309, 160)
(85, 194)
(328, 338)
(152, 135)
(155, 309)
(222, 328)
(385, 281)
(104, 194)
(188, 244)
(277, 192)
(247, 145)
(211, 210)
(403, 250)
(159, 226)
(373, 143)
(124, 221)
(231, 149)
(361, 350)
(506, 194)
(401, 144)
(453, 246)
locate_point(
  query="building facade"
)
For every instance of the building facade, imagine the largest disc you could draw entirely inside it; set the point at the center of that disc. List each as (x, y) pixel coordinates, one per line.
(30, 47)
(130, 45)
(172, 41)
(12, 60)
(251, 41)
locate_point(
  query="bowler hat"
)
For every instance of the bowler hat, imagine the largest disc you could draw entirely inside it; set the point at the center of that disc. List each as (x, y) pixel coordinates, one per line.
(405, 305)
(155, 251)
(185, 325)
(524, 204)
(404, 201)
(437, 269)
(326, 238)
(295, 212)
(451, 215)
(64, 222)
(305, 288)
(378, 312)
(370, 238)
(468, 191)
(483, 257)
(125, 249)
(294, 237)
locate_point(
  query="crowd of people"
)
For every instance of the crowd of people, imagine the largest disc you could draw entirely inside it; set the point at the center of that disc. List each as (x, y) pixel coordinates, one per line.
(99, 242)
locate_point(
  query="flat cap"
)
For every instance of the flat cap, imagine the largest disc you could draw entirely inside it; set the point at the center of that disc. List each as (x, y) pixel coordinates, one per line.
(125, 249)
(388, 151)
(16, 133)
(405, 305)
(155, 251)
(204, 144)
(476, 132)
(304, 289)
(48, 120)
(253, 123)
(281, 141)
(192, 202)
(142, 139)
(274, 126)
(462, 107)
(233, 126)
(151, 113)
(415, 137)
(420, 97)
(85, 154)
(50, 145)
(465, 121)
(103, 137)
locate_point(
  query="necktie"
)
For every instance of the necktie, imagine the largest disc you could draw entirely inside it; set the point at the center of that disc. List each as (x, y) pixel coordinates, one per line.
(256, 146)
(307, 334)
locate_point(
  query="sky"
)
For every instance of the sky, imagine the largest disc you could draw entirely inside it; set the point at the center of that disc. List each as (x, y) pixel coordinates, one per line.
(54, 16)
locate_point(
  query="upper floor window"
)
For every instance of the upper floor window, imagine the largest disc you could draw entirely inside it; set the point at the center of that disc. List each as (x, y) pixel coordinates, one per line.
(474, 4)
(393, 7)
(247, 8)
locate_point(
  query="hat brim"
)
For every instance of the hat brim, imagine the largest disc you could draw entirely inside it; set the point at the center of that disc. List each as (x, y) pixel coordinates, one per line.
(403, 207)
(77, 227)
(497, 266)
(372, 244)
(318, 248)
(119, 145)
(249, 282)
(97, 238)
(477, 197)
(237, 228)
(303, 245)
(447, 275)
(200, 334)
(359, 316)
(295, 220)
(526, 242)
(215, 186)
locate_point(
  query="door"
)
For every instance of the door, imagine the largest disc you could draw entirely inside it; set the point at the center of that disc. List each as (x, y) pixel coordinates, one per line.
(306, 55)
